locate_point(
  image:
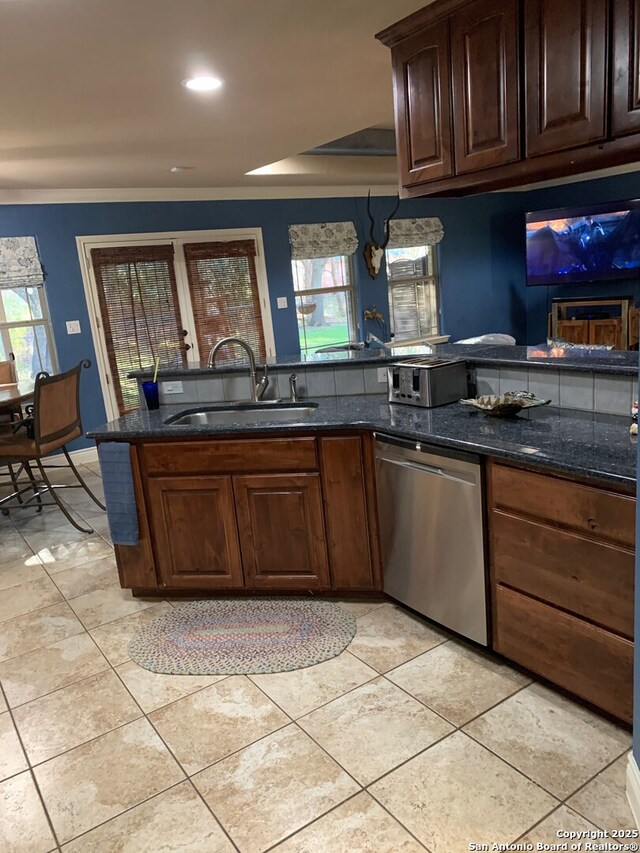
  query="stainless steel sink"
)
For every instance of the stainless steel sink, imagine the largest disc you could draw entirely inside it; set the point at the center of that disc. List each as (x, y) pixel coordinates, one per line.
(244, 413)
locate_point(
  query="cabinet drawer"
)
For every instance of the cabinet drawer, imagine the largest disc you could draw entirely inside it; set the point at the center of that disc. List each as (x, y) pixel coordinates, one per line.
(213, 457)
(588, 661)
(591, 579)
(587, 509)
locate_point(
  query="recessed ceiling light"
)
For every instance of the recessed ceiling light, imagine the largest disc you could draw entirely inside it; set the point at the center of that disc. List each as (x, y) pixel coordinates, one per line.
(202, 83)
(182, 168)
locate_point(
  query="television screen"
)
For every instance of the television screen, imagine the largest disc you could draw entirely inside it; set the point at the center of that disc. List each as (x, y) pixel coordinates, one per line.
(584, 244)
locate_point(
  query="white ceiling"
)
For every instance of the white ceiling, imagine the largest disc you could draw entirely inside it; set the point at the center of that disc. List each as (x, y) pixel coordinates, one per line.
(91, 94)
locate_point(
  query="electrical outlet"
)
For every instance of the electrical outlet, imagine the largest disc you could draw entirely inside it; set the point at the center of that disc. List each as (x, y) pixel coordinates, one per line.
(172, 387)
(73, 327)
(382, 374)
(282, 302)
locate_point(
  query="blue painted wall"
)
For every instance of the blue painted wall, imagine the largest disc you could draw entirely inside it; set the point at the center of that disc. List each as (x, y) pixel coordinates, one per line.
(482, 287)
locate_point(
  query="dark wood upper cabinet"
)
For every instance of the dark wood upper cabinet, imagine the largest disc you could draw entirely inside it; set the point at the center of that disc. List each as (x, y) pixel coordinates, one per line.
(193, 524)
(281, 527)
(539, 89)
(626, 67)
(484, 61)
(423, 105)
(566, 73)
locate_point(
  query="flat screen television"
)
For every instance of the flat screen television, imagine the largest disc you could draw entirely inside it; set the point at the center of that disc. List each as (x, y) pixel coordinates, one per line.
(598, 243)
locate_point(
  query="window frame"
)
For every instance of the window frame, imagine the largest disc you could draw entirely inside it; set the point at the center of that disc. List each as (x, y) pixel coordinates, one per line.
(349, 291)
(44, 321)
(434, 277)
(86, 243)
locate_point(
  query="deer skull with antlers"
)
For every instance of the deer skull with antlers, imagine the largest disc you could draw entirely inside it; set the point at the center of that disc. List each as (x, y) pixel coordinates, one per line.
(373, 251)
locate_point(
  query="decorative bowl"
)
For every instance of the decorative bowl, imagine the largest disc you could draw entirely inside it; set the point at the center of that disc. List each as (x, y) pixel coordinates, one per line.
(505, 405)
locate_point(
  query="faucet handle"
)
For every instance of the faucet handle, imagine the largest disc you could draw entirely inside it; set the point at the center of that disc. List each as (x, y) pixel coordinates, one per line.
(262, 384)
(293, 388)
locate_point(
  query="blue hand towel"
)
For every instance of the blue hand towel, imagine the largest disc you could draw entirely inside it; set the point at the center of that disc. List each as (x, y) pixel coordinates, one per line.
(117, 479)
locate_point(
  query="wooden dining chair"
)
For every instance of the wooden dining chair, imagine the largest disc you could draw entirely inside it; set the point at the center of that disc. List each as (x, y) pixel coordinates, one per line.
(8, 373)
(53, 422)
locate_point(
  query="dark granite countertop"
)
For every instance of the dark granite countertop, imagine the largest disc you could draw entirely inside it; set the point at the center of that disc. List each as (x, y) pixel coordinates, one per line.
(585, 444)
(621, 362)
(618, 362)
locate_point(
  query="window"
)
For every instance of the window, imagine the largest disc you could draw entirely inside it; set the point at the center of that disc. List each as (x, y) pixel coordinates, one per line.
(224, 295)
(324, 301)
(413, 292)
(171, 297)
(322, 282)
(140, 313)
(25, 331)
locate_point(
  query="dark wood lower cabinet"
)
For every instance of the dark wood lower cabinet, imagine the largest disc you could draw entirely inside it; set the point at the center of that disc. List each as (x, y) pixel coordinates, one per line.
(194, 528)
(282, 531)
(270, 513)
(590, 662)
(562, 572)
(349, 535)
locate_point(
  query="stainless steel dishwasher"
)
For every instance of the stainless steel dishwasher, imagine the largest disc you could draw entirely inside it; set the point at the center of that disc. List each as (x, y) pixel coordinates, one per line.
(431, 527)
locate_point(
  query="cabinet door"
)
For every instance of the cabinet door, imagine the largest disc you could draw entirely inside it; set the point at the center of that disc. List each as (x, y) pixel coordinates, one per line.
(346, 513)
(421, 72)
(606, 332)
(194, 526)
(281, 531)
(484, 60)
(634, 327)
(573, 331)
(566, 73)
(626, 62)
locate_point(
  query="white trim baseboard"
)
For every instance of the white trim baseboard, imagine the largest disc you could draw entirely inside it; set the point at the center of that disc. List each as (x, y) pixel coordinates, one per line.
(633, 788)
(84, 455)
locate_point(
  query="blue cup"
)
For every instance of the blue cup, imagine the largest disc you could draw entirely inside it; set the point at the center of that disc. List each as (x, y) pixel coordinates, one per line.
(151, 396)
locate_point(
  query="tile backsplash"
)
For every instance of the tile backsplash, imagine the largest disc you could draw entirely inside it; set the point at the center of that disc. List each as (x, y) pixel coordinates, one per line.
(567, 389)
(311, 382)
(590, 392)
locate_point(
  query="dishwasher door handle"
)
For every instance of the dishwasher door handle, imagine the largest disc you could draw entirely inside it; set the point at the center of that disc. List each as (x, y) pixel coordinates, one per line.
(457, 477)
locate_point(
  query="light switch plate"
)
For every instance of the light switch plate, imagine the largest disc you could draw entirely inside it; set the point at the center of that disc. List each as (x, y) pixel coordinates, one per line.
(382, 374)
(172, 387)
(73, 327)
(282, 302)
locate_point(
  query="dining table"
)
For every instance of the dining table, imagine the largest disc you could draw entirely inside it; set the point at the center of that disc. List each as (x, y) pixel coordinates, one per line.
(13, 395)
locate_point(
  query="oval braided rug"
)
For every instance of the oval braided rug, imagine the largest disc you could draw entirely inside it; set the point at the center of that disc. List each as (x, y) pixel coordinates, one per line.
(234, 636)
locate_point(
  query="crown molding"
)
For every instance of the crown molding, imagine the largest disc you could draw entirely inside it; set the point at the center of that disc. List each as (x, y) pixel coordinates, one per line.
(96, 196)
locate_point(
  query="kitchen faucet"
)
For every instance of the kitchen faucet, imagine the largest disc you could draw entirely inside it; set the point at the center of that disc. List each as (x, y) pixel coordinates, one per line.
(257, 388)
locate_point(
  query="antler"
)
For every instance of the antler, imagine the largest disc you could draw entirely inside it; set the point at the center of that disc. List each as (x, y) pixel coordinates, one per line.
(386, 223)
(371, 237)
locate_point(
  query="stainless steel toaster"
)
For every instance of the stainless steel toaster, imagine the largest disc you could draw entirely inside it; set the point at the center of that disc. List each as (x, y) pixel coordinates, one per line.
(427, 381)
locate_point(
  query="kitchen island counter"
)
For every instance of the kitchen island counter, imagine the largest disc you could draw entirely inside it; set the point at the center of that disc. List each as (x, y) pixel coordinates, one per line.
(582, 444)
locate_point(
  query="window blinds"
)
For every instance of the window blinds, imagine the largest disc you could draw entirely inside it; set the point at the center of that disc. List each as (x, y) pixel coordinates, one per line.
(322, 240)
(224, 295)
(19, 263)
(140, 312)
(426, 231)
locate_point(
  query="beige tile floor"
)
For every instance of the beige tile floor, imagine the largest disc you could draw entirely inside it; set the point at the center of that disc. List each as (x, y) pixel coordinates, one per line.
(409, 740)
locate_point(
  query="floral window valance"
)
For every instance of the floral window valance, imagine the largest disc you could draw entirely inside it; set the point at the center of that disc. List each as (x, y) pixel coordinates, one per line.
(403, 233)
(19, 263)
(322, 240)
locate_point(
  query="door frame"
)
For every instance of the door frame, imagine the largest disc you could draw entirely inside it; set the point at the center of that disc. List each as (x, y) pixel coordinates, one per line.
(86, 243)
